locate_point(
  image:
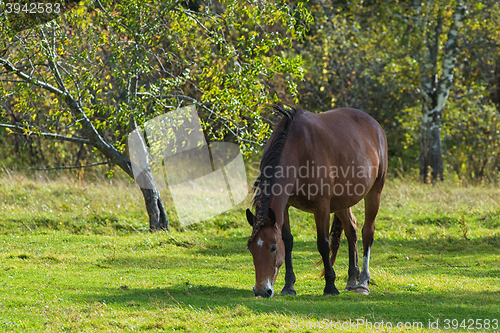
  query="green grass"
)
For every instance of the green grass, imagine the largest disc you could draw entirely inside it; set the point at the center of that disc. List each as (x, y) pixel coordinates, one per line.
(77, 257)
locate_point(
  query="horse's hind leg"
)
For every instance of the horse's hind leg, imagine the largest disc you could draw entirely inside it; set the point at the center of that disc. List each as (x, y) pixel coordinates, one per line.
(335, 234)
(288, 289)
(351, 231)
(372, 203)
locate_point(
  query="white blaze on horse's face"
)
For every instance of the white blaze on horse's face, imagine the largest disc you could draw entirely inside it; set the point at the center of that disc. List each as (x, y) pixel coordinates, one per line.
(268, 251)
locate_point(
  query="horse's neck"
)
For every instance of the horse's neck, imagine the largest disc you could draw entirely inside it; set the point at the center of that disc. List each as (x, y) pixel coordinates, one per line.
(278, 204)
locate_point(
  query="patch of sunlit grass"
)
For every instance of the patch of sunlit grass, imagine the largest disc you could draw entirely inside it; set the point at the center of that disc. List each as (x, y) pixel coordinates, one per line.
(76, 256)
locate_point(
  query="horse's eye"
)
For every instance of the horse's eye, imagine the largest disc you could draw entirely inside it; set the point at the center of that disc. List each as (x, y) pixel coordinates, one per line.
(273, 248)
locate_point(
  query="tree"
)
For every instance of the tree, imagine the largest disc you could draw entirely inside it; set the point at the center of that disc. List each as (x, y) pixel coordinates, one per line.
(91, 74)
(471, 139)
(437, 61)
(435, 89)
(355, 56)
(391, 59)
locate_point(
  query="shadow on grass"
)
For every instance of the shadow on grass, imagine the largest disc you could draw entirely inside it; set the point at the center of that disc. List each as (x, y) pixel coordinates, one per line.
(449, 256)
(387, 306)
(476, 258)
(452, 257)
(224, 246)
(415, 303)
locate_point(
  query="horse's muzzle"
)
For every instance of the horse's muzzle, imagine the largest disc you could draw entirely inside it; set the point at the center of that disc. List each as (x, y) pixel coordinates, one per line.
(267, 291)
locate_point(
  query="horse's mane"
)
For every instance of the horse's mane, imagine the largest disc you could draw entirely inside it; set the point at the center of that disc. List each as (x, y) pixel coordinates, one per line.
(263, 184)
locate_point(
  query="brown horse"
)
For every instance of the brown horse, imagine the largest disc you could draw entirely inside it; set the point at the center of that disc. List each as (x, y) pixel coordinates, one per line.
(319, 163)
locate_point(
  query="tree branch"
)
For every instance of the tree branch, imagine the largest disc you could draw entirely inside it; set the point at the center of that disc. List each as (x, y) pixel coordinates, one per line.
(68, 167)
(29, 79)
(76, 108)
(48, 134)
(194, 101)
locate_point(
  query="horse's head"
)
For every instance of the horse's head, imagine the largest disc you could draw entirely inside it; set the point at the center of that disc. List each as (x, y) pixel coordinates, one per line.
(268, 251)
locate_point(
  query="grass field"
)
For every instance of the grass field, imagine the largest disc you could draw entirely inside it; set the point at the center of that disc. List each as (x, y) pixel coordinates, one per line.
(77, 257)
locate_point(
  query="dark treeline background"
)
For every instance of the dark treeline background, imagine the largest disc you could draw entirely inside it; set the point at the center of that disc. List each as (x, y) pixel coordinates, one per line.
(376, 56)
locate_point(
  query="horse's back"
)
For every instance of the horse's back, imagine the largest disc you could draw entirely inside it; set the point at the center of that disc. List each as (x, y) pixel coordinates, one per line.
(348, 143)
(348, 123)
(343, 128)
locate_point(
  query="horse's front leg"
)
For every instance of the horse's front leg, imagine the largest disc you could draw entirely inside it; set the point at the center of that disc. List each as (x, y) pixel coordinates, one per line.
(322, 217)
(288, 289)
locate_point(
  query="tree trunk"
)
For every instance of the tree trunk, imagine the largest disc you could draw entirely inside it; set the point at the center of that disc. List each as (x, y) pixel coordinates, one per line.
(157, 216)
(158, 219)
(430, 146)
(495, 84)
(435, 92)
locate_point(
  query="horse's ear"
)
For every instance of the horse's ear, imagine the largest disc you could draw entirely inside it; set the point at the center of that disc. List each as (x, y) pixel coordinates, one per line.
(250, 217)
(272, 216)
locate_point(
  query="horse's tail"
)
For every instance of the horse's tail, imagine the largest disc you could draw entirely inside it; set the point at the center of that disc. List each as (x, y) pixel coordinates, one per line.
(335, 234)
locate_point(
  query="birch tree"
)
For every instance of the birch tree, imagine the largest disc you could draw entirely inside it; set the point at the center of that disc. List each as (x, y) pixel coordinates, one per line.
(436, 80)
(90, 75)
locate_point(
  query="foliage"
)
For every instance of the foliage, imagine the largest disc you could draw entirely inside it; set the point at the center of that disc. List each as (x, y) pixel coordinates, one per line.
(377, 57)
(473, 141)
(142, 58)
(354, 60)
(231, 58)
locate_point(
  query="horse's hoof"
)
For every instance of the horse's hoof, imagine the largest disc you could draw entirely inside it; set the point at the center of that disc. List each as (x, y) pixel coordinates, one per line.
(288, 292)
(333, 292)
(361, 290)
(350, 288)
